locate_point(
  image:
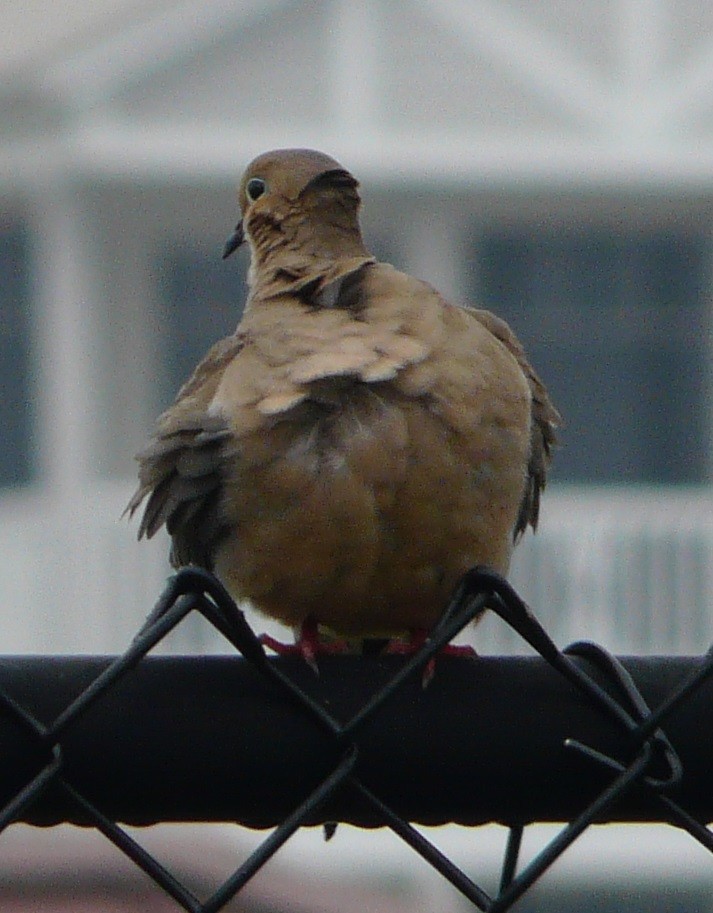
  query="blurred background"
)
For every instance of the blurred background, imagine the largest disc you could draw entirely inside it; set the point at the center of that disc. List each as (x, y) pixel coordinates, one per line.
(550, 161)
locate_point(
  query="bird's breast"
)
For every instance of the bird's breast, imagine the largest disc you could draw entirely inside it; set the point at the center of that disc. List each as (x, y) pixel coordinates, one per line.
(362, 506)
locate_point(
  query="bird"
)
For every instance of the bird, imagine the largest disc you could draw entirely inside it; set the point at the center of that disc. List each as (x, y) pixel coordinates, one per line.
(359, 442)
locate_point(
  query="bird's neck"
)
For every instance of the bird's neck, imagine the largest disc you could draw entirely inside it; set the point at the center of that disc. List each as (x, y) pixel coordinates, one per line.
(301, 247)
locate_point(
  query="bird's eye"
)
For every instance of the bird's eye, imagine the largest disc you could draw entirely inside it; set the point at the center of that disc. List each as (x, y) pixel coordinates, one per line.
(255, 188)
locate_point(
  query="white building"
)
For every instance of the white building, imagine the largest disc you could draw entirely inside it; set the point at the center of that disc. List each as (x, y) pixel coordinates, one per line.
(552, 160)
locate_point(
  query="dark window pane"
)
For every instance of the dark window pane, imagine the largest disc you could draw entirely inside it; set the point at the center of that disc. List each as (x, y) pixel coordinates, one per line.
(16, 414)
(203, 300)
(616, 326)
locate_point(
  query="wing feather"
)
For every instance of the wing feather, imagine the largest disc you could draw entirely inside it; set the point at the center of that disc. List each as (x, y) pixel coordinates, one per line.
(545, 420)
(181, 472)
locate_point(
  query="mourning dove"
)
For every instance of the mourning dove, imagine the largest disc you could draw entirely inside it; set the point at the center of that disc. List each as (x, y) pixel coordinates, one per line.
(359, 442)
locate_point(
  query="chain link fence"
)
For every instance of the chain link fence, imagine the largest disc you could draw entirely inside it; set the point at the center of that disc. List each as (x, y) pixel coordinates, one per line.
(576, 736)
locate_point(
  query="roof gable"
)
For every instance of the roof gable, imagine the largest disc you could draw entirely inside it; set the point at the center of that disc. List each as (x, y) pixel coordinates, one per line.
(467, 88)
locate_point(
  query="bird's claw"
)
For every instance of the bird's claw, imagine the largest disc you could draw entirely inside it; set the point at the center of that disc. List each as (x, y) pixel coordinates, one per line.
(415, 641)
(308, 645)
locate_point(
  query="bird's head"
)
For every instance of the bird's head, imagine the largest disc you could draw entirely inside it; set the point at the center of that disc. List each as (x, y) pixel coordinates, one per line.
(298, 198)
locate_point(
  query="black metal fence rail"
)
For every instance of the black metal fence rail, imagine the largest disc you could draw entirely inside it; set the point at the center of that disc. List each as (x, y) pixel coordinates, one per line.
(575, 736)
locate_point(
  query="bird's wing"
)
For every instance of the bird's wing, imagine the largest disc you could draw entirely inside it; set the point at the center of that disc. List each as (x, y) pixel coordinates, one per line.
(545, 419)
(181, 471)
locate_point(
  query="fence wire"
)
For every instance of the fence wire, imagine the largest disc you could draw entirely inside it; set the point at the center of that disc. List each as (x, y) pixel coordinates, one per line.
(651, 767)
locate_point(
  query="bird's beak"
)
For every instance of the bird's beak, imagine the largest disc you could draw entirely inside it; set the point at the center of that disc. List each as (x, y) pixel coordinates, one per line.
(234, 241)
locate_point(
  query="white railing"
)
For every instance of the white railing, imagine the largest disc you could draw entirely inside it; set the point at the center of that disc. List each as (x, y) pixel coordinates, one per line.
(73, 577)
(631, 569)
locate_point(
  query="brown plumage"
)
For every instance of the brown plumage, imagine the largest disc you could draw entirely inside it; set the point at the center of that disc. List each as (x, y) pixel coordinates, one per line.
(359, 442)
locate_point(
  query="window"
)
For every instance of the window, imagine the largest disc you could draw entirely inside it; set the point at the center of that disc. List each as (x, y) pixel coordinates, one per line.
(16, 408)
(203, 302)
(617, 327)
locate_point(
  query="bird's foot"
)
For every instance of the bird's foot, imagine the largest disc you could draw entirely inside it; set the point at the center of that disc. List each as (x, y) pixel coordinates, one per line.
(308, 645)
(407, 646)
